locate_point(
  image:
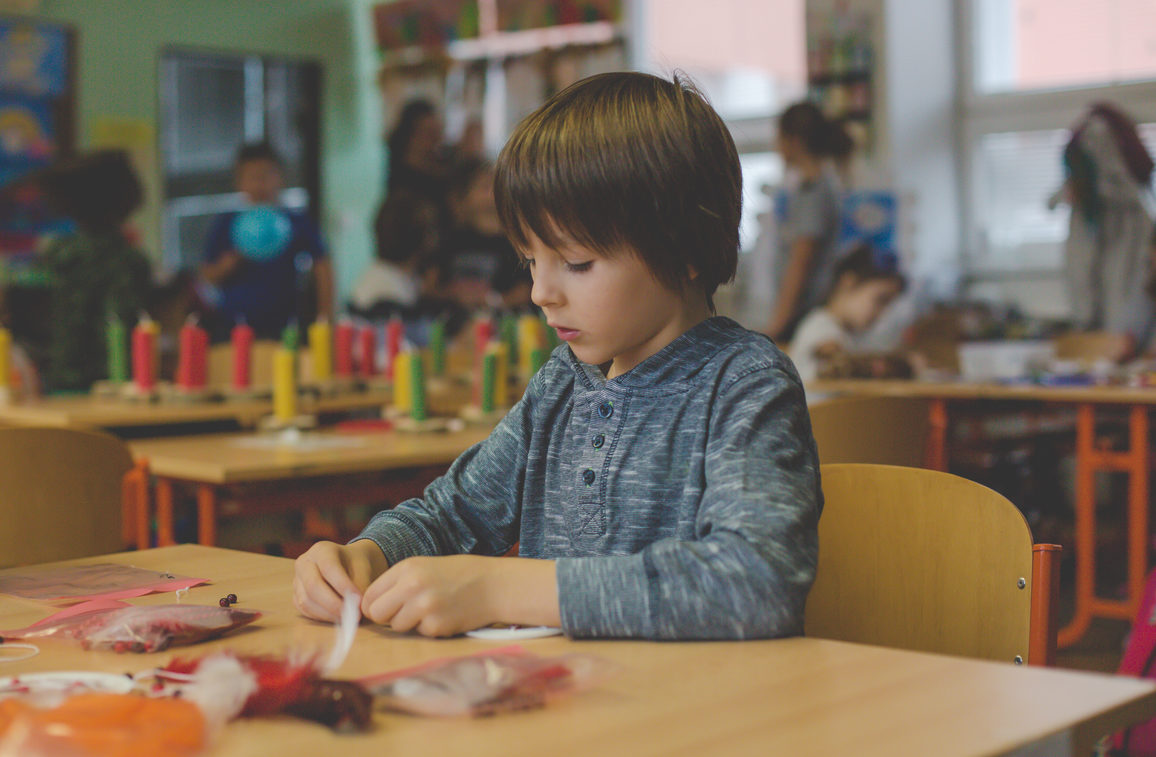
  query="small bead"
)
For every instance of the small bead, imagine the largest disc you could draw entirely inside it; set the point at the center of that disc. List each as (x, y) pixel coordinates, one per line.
(224, 602)
(232, 599)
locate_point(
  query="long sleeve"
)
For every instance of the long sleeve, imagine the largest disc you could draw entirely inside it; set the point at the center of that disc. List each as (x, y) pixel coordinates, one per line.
(747, 572)
(475, 507)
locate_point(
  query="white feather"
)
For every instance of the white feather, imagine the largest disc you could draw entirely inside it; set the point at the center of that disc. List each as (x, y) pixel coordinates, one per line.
(220, 687)
(346, 630)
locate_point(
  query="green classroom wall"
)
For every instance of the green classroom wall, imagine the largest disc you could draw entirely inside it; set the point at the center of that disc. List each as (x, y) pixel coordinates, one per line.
(119, 43)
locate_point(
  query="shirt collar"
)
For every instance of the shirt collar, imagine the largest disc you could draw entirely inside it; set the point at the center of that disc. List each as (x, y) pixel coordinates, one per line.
(677, 361)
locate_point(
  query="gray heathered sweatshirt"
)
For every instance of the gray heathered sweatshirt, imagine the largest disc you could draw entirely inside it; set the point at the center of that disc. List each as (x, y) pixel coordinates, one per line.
(681, 499)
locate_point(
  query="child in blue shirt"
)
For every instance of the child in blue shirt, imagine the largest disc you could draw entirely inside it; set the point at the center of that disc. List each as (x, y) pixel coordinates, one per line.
(659, 474)
(264, 293)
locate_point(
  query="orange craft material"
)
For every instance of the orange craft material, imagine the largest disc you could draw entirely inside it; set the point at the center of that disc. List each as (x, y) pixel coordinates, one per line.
(103, 725)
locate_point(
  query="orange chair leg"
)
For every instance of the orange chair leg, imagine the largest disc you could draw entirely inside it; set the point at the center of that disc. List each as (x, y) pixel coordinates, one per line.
(207, 515)
(936, 454)
(1085, 526)
(1137, 507)
(135, 506)
(165, 535)
(1045, 593)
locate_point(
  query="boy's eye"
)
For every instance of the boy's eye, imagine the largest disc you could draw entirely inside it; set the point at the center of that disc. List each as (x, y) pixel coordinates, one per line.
(579, 267)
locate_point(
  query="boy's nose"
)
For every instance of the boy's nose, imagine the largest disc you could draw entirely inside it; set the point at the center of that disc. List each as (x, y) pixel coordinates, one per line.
(543, 293)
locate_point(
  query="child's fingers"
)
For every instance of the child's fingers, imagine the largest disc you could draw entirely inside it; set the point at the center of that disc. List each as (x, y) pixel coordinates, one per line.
(310, 609)
(360, 574)
(319, 589)
(384, 583)
(384, 607)
(408, 615)
(333, 569)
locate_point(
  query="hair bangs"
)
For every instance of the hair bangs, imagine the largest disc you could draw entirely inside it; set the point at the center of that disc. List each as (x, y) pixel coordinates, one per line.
(548, 186)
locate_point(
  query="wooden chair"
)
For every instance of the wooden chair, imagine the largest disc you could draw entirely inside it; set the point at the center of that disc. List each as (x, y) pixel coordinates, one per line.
(60, 494)
(261, 367)
(924, 560)
(882, 430)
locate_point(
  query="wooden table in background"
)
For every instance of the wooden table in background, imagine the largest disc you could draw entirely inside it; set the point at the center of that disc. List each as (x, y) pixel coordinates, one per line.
(1090, 459)
(348, 469)
(795, 697)
(88, 411)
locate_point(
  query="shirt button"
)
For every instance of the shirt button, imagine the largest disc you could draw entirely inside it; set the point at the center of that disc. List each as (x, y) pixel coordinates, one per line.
(588, 477)
(598, 441)
(606, 409)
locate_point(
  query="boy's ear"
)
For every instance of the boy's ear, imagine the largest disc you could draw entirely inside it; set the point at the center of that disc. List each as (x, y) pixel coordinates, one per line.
(691, 272)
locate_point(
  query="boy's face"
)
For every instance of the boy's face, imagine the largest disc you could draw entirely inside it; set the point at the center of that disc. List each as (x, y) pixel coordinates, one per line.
(260, 181)
(609, 309)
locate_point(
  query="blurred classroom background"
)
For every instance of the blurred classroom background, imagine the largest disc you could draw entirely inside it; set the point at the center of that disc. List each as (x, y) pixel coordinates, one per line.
(972, 125)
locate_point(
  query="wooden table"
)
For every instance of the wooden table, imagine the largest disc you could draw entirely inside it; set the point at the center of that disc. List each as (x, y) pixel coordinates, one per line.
(793, 697)
(1090, 459)
(401, 464)
(88, 411)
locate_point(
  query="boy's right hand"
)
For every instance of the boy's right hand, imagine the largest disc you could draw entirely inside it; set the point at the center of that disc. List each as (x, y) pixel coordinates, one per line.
(328, 571)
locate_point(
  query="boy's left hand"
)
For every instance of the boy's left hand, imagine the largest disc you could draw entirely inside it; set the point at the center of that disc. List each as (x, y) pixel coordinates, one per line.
(445, 596)
(437, 596)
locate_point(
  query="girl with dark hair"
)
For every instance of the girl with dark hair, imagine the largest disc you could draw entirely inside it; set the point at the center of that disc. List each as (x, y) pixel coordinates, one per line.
(866, 282)
(810, 144)
(407, 238)
(416, 161)
(1109, 175)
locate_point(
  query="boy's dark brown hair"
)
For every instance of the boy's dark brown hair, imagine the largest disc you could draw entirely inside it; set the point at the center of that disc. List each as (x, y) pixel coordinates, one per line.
(251, 151)
(628, 162)
(98, 190)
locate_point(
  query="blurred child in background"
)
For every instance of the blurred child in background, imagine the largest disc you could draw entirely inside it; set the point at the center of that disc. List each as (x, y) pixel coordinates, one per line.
(417, 156)
(96, 273)
(266, 291)
(867, 281)
(1108, 171)
(407, 239)
(811, 146)
(478, 265)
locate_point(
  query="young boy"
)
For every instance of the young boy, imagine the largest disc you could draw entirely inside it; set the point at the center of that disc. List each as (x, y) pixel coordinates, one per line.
(659, 474)
(264, 292)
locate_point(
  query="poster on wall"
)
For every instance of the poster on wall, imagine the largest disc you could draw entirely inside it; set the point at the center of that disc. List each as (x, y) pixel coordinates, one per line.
(33, 59)
(35, 127)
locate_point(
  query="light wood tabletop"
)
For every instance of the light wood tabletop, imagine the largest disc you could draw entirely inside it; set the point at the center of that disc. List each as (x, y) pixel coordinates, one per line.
(260, 456)
(444, 397)
(792, 697)
(967, 390)
(112, 413)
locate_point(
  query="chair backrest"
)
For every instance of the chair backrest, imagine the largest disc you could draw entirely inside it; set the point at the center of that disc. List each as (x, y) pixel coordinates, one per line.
(882, 430)
(260, 367)
(921, 560)
(1092, 345)
(60, 494)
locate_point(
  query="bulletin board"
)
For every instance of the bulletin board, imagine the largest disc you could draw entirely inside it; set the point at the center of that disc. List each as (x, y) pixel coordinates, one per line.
(37, 105)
